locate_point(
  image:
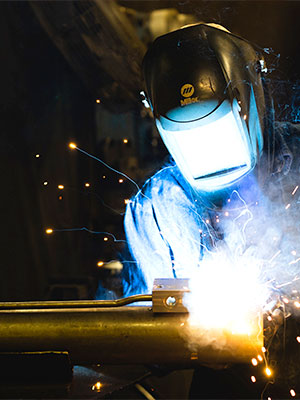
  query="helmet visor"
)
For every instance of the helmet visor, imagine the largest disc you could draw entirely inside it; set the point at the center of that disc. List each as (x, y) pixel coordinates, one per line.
(213, 154)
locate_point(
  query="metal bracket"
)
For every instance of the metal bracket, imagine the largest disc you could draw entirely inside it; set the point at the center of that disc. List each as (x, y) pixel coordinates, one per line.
(167, 295)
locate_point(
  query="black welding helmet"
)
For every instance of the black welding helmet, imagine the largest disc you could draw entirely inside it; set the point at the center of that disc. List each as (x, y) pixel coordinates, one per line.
(204, 87)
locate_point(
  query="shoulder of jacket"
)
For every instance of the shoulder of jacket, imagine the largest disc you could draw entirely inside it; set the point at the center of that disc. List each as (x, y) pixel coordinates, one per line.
(163, 179)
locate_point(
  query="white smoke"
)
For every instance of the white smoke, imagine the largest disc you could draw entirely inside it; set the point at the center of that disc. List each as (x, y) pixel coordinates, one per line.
(256, 265)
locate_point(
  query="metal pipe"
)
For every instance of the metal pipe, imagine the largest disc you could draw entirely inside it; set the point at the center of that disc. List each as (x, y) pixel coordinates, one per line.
(125, 335)
(13, 305)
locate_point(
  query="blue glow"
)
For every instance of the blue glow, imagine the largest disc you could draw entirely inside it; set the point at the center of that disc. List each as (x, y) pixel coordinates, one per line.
(169, 230)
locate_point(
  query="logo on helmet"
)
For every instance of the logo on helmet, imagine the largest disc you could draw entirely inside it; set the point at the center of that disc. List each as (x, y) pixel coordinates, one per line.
(187, 90)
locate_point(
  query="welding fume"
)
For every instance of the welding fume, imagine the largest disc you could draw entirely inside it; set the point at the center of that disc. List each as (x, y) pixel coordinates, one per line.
(223, 210)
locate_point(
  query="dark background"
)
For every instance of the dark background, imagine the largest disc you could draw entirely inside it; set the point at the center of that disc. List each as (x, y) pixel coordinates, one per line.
(45, 103)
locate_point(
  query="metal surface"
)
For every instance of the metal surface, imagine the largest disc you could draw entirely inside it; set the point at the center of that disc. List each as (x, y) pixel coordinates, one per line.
(123, 335)
(168, 295)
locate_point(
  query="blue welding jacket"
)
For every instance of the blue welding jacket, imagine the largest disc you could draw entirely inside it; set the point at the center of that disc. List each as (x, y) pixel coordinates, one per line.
(169, 229)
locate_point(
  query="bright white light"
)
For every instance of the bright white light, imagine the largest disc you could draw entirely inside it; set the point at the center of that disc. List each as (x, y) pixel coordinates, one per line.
(211, 155)
(226, 294)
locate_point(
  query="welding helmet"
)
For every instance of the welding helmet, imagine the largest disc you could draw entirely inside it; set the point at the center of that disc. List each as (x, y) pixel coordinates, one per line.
(204, 86)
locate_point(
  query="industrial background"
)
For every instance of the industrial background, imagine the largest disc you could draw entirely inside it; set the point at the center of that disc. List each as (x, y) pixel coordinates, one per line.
(70, 71)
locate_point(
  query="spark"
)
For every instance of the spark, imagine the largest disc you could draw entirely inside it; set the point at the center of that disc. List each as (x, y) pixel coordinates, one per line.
(285, 300)
(100, 263)
(297, 304)
(97, 386)
(275, 255)
(37, 156)
(105, 239)
(72, 145)
(125, 141)
(121, 180)
(260, 358)
(60, 187)
(107, 166)
(263, 349)
(253, 379)
(49, 231)
(89, 231)
(298, 339)
(292, 392)
(87, 184)
(293, 252)
(295, 190)
(126, 201)
(268, 371)
(254, 362)
(45, 183)
(269, 318)
(294, 261)
(98, 101)
(287, 206)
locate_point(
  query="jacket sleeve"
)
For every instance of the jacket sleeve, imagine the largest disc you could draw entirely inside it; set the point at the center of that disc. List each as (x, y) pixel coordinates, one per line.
(150, 253)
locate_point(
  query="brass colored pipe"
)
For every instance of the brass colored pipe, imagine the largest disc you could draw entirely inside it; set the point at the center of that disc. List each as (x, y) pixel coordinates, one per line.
(124, 335)
(11, 305)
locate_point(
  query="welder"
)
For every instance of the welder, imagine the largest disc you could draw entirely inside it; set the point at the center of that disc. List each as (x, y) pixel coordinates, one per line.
(208, 92)
(211, 105)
